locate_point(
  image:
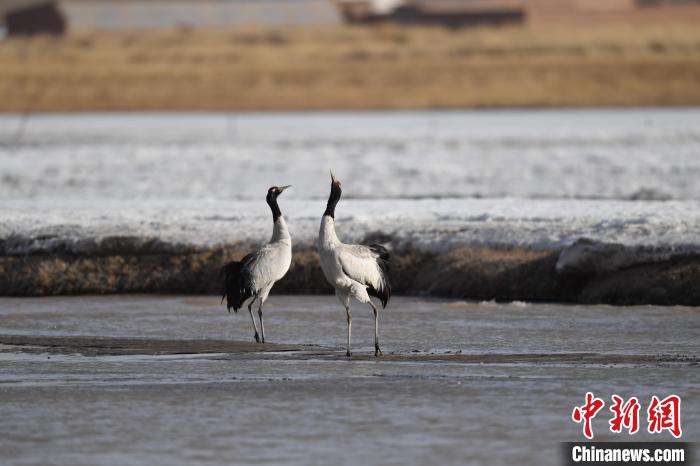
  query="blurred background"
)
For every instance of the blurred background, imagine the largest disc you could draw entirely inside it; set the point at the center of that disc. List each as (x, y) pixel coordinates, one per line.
(346, 54)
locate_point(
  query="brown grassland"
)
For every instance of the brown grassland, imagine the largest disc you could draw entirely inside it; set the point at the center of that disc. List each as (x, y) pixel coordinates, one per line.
(342, 67)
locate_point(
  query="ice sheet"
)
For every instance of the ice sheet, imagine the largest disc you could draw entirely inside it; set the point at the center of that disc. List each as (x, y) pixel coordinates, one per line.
(432, 180)
(582, 154)
(427, 224)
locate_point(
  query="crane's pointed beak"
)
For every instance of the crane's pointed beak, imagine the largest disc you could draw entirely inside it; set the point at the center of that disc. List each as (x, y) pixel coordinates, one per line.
(282, 188)
(333, 180)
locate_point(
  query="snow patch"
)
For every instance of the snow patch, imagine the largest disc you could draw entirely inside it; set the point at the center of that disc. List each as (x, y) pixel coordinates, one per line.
(633, 154)
(432, 225)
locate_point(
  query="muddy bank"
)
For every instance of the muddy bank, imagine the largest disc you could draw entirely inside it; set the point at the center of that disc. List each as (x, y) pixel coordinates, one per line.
(119, 346)
(109, 346)
(599, 273)
(586, 272)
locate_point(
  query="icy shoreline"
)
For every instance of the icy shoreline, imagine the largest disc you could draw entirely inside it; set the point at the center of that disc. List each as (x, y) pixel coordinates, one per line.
(508, 249)
(632, 154)
(428, 225)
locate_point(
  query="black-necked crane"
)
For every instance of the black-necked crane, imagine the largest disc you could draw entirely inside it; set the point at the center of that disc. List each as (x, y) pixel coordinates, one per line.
(255, 274)
(355, 271)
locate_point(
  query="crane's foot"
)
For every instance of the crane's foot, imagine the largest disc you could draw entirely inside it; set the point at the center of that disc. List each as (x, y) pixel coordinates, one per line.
(263, 339)
(348, 353)
(257, 337)
(378, 351)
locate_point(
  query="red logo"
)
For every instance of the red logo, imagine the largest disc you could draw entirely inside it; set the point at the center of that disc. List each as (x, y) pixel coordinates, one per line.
(661, 415)
(665, 415)
(587, 412)
(625, 415)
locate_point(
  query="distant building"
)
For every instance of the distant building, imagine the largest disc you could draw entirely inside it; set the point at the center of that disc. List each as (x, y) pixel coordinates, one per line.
(456, 13)
(27, 17)
(451, 13)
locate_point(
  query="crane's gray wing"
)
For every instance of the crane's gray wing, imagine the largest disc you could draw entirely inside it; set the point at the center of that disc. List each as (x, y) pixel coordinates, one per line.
(267, 265)
(368, 265)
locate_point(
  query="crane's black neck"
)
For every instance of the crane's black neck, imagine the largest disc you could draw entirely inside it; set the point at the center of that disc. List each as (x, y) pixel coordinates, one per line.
(333, 200)
(272, 202)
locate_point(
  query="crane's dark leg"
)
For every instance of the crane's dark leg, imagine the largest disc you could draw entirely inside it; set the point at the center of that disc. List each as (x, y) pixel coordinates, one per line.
(255, 327)
(262, 326)
(377, 350)
(347, 311)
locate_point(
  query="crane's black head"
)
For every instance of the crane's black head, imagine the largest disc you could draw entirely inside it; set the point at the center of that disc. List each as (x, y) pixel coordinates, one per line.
(271, 199)
(334, 197)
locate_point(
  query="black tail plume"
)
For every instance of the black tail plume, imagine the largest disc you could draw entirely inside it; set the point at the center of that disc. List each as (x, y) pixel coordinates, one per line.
(384, 293)
(233, 286)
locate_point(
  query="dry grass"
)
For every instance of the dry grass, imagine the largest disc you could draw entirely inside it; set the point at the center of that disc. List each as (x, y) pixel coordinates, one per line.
(351, 68)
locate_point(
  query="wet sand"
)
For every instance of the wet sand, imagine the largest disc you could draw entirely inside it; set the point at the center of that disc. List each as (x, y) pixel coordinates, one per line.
(106, 346)
(176, 380)
(111, 346)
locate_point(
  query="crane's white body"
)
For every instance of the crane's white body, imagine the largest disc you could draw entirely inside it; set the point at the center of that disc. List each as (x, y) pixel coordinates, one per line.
(253, 277)
(271, 262)
(266, 266)
(350, 269)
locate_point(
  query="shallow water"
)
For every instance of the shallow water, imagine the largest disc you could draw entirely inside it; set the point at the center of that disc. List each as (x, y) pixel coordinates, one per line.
(317, 407)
